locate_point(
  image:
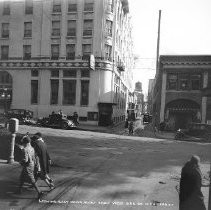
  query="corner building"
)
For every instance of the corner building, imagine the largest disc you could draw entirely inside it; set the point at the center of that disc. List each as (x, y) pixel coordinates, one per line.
(179, 97)
(45, 49)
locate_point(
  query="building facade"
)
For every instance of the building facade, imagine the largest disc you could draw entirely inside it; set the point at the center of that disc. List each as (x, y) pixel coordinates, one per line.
(178, 93)
(69, 55)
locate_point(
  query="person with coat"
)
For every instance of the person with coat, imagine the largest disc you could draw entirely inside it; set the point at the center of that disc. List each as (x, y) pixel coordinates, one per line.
(44, 159)
(130, 127)
(190, 196)
(28, 163)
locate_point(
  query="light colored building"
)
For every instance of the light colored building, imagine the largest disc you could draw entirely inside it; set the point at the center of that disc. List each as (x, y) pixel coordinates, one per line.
(45, 49)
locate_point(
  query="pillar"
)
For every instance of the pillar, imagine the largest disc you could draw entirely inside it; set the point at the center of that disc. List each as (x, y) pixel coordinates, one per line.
(204, 99)
(163, 97)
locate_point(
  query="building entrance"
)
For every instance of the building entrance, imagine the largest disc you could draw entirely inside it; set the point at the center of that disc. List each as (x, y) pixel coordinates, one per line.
(180, 113)
(5, 91)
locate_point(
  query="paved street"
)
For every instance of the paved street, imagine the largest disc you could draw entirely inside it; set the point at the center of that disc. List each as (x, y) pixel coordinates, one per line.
(105, 171)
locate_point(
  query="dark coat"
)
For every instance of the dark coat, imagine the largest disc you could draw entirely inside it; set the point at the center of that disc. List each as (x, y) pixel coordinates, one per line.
(191, 197)
(42, 153)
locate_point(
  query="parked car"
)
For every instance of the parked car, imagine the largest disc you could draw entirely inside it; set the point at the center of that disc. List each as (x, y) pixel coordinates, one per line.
(56, 121)
(147, 118)
(24, 116)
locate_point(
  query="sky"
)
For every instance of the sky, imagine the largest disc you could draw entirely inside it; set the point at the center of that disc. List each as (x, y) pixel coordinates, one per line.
(185, 29)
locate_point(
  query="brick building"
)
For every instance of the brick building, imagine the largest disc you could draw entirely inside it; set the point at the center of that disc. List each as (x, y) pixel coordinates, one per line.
(178, 97)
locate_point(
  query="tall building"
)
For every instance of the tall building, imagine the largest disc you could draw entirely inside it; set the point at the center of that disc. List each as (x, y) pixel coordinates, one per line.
(69, 55)
(181, 91)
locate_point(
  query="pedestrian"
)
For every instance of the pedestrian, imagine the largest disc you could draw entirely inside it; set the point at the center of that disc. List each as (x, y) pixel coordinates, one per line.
(28, 163)
(190, 196)
(75, 118)
(44, 159)
(130, 127)
(126, 123)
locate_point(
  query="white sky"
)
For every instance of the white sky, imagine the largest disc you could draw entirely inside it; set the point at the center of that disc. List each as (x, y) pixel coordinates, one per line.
(185, 29)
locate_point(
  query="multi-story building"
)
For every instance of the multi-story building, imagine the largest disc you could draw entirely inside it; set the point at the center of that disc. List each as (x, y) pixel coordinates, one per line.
(69, 55)
(179, 96)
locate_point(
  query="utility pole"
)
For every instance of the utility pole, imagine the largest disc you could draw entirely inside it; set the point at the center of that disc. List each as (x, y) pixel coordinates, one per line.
(158, 44)
(209, 202)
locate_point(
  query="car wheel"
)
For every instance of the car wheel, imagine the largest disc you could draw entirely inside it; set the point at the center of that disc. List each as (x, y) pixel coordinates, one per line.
(64, 125)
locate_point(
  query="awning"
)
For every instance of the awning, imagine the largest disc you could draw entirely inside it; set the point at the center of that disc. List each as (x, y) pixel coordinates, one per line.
(182, 110)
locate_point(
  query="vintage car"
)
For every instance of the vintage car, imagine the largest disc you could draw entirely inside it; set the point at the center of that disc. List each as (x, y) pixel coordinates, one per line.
(24, 116)
(56, 121)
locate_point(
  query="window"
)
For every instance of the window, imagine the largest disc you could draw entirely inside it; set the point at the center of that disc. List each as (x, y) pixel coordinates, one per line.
(56, 28)
(6, 8)
(71, 28)
(28, 6)
(72, 7)
(26, 52)
(55, 51)
(68, 73)
(108, 51)
(110, 7)
(34, 91)
(183, 81)
(172, 81)
(55, 73)
(56, 6)
(28, 29)
(88, 7)
(4, 52)
(195, 81)
(86, 51)
(69, 92)
(88, 28)
(92, 116)
(108, 28)
(70, 50)
(85, 73)
(5, 30)
(54, 91)
(34, 73)
(84, 92)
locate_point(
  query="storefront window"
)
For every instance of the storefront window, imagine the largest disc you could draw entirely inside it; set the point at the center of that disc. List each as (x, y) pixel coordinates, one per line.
(69, 92)
(172, 81)
(84, 92)
(34, 91)
(54, 91)
(183, 82)
(196, 82)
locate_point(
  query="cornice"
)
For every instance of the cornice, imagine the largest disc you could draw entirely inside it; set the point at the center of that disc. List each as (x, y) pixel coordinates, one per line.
(20, 64)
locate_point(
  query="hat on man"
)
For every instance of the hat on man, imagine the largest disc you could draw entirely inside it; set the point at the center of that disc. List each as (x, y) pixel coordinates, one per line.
(26, 140)
(38, 135)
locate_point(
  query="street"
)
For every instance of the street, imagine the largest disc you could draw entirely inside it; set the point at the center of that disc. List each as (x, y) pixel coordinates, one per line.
(95, 170)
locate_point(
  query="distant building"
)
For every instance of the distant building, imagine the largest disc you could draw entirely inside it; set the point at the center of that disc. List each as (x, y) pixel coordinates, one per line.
(179, 98)
(140, 98)
(138, 86)
(69, 55)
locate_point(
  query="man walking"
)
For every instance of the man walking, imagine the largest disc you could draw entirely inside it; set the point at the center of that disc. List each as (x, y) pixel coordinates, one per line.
(44, 159)
(190, 196)
(28, 163)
